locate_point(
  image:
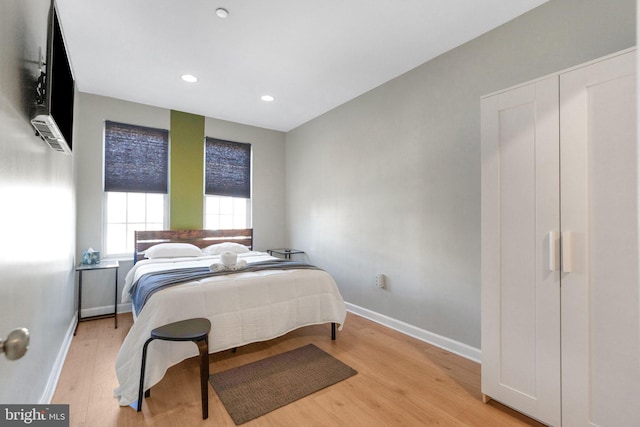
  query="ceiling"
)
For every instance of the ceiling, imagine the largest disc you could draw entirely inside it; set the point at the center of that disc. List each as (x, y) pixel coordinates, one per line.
(310, 55)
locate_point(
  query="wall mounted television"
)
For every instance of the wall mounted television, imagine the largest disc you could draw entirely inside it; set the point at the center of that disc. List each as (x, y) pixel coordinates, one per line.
(53, 118)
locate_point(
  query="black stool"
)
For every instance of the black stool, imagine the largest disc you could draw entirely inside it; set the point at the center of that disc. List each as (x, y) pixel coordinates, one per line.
(196, 330)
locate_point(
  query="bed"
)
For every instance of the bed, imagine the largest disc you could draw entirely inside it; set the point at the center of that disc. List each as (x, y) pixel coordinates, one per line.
(261, 298)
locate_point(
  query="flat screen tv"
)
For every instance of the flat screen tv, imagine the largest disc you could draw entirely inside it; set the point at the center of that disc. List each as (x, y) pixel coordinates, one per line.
(53, 118)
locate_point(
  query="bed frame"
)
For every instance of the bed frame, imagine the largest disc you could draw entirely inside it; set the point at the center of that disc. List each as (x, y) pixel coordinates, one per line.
(202, 238)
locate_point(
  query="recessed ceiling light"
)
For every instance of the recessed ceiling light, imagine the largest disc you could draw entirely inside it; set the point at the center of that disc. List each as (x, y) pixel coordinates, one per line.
(267, 98)
(222, 13)
(189, 78)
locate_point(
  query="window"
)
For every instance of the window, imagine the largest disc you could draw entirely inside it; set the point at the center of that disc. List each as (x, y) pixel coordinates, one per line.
(129, 212)
(136, 162)
(227, 212)
(227, 184)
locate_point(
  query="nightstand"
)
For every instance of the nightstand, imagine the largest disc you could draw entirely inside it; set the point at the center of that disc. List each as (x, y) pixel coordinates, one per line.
(102, 265)
(286, 253)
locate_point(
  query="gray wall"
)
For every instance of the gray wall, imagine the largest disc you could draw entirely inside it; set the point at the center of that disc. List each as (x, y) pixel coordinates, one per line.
(267, 180)
(390, 182)
(37, 219)
(92, 111)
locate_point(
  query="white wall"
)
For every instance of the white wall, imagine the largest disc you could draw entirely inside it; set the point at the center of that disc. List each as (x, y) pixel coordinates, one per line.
(390, 182)
(37, 218)
(93, 110)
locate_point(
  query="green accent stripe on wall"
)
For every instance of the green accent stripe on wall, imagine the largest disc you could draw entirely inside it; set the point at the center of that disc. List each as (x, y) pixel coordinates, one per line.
(186, 171)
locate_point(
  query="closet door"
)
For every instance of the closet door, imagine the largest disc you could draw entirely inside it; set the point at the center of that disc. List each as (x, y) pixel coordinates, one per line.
(520, 284)
(600, 300)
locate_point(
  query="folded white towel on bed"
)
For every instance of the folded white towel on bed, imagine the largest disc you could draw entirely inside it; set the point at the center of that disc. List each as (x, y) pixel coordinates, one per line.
(218, 266)
(228, 258)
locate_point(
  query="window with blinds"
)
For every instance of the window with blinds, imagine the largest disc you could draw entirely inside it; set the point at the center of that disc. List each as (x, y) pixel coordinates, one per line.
(227, 184)
(136, 158)
(136, 162)
(227, 168)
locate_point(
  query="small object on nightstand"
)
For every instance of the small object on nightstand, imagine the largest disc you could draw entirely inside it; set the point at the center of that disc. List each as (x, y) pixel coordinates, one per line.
(101, 265)
(90, 257)
(286, 252)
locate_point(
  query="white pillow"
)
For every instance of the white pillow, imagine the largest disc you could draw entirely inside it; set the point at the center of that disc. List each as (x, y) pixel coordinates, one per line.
(218, 248)
(172, 250)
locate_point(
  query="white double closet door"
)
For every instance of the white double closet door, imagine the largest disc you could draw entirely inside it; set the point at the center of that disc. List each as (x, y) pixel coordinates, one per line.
(560, 270)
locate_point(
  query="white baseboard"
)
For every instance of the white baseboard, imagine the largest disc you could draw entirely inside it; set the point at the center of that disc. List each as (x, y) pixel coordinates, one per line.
(445, 343)
(56, 370)
(107, 309)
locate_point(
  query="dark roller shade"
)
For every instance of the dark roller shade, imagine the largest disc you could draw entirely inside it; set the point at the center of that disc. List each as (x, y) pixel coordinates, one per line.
(136, 158)
(227, 168)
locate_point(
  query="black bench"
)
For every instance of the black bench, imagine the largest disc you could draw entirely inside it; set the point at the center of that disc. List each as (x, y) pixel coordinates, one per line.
(196, 330)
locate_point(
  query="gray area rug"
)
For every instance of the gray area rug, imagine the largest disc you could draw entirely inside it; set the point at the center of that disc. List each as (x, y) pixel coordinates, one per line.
(257, 388)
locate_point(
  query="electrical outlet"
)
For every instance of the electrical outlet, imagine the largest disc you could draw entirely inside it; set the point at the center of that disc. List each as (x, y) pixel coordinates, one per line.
(381, 281)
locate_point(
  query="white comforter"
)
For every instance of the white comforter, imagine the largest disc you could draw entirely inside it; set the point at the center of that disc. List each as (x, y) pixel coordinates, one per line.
(242, 307)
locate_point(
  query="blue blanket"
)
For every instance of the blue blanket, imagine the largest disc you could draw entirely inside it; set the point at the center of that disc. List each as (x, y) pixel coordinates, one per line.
(150, 283)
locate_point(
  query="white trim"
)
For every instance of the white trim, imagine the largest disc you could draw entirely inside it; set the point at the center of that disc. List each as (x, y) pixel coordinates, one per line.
(445, 343)
(104, 310)
(125, 307)
(56, 370)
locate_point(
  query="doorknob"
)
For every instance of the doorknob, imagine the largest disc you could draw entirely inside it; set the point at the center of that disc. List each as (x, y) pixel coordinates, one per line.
(16, 344)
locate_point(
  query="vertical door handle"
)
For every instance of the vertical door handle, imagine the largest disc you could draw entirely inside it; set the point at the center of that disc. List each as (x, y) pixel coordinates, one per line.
(567, 251)
(16, 344)
(554, 250)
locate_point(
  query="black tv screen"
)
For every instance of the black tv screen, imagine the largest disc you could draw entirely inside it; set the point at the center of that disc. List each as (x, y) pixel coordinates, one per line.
(60, 83)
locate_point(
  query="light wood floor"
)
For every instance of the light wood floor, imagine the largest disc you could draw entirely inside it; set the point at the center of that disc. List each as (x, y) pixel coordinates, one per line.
(401, 381)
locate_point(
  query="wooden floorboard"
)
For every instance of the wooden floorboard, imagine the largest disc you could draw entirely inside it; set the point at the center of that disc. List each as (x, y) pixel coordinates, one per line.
(401, 381)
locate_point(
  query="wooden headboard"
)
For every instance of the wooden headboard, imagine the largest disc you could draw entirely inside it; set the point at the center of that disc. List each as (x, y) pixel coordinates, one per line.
(201, 238)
